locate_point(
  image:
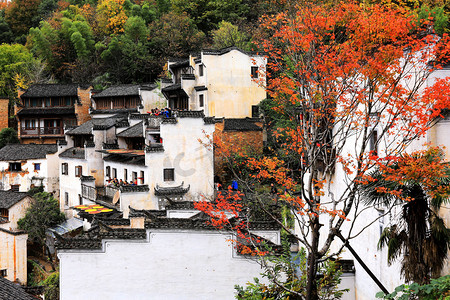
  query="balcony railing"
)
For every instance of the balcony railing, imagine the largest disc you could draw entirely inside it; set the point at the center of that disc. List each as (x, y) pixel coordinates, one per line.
(41, 131)
(105, 193)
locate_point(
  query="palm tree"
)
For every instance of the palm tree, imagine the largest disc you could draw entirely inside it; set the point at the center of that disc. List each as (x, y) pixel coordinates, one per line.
(419, 237)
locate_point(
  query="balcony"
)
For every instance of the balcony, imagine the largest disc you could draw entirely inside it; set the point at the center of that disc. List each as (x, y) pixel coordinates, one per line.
(44, 131)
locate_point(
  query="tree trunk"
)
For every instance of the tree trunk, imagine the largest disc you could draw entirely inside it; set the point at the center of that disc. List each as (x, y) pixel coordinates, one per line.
(311, 283)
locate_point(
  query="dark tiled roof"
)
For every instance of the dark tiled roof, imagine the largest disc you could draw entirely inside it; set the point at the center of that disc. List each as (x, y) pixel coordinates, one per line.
(136, 160)
(172, 87)
(170, 191)
(190, 114)
(188, 76)
(73, 153)
(12, 291)
(200, 88)
(209, 120)
(226, 50)
(47, 111)
(114, 111)
(154, 148)
(51, 90)
(180, 64)
(9, 198)
(174, 223)
(113, 221)
(180, 205)
(110, 146)
(92, 239)
(119, 90)
(166, 80)
(134, 188)
(89, 144)
(15, 232)
(26, 151)
(170, 120)
(247, 124)
(94, 124)
(87, 178)
(134, 131)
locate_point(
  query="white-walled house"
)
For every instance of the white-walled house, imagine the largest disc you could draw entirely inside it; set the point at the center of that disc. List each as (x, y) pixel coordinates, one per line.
(23, 166)
(13, 242)
(156, 255)
(223, 83)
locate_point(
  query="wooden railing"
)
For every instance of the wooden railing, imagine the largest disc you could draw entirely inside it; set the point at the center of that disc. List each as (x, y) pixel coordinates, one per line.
(42, 131)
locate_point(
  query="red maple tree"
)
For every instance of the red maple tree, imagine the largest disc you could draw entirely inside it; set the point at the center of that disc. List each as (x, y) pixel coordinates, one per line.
(351, 83)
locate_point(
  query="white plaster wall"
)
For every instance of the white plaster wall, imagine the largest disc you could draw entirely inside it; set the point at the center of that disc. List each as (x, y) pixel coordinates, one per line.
(192, 162)
(15, 213)
(25, 177)
(71, 184)
(13, 256)
(231, 89)
(172, 265)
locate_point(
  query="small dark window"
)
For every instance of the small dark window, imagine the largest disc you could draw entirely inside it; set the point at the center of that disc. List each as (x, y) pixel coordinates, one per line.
(66, 199)
(200, 70)
(254, 71)
(15, 167)
(80, 199)
(169, 174)
(142, 177)
(4, 213)
(200, 100)
(134, 176)
(373, 142)
(37, 167)
(64, 169)
(108, 171)
(255, 111)
(30, 124)
(15, 187)
(125, 174)
(3, 273)
(78, 171)
(114, 170)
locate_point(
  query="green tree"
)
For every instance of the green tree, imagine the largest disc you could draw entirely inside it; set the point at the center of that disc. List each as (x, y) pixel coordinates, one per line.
(228, 35)
(437, 289)
(6, 35)
(419, 238)
(42, 214)
(174, 35)
(21, 16)
(15, 60)
(8, 136)
(207, 14)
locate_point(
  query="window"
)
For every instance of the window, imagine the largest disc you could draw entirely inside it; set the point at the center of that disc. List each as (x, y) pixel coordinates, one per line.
(78, 171)
(108, 171)
(255, 111)
(66, 199)
(3, 273)
(64, 169)
(169, 174)
(15, 167)
(30, 124)
(114, 170)
(15, 187)
(4, 213)
(125, 174)
(37, 167)
(142, 177)
(200, 100)
(373, 142)
(80, 200)
(254, 72)
(134, 176)
(200, 70)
